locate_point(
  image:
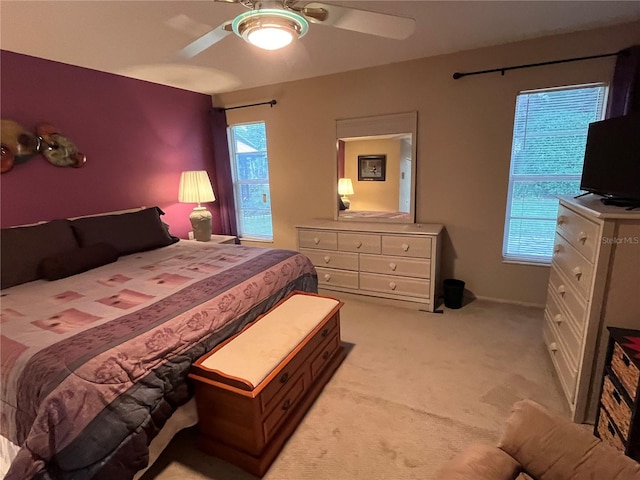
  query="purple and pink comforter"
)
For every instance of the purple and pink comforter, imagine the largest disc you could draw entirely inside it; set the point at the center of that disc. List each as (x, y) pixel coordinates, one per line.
(93, 365)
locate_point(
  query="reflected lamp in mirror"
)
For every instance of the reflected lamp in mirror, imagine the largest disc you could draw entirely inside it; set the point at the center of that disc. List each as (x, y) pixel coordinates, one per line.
(195, 187)
(345, 187)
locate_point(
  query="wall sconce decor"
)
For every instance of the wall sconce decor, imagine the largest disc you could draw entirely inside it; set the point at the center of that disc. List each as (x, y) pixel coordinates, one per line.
(195, 187)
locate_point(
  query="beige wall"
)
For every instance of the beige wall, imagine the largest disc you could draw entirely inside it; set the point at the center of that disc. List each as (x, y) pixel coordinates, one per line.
(463, 144)
(376, 196)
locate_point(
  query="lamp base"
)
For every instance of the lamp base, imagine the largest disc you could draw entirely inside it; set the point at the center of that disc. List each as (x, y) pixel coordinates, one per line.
(200, 219)
(346, 202)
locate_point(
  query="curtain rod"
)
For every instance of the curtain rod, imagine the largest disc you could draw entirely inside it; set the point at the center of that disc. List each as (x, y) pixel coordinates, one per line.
(270, 102)
(458, 75)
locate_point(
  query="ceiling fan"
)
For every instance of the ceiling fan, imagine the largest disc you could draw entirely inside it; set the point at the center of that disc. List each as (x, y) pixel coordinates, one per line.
(273, 24)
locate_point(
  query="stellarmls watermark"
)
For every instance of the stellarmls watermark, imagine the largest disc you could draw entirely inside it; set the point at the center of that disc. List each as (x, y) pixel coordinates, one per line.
(621, 240)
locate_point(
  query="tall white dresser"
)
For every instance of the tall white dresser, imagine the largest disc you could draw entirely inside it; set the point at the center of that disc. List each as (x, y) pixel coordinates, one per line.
(594, 283)
(389, 260)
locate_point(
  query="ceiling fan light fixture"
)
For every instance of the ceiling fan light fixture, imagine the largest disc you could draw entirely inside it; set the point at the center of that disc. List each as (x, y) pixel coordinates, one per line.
(268, 28)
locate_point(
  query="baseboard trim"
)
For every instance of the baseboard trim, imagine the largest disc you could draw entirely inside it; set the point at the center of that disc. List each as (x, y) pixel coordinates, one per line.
(511, 302)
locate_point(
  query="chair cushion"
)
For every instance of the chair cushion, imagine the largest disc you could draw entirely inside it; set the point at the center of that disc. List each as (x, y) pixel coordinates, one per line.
(550, 447)
(480, 462)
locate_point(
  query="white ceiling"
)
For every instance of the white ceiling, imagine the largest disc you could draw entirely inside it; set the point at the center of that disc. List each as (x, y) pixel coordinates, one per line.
(133, 38)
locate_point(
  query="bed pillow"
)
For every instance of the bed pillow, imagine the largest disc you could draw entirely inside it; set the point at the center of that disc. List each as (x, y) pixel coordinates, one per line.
(77, 261)
(24, 248)
(127, 232)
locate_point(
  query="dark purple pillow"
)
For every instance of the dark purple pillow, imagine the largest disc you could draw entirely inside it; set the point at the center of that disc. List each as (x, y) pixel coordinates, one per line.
(23, 248)
(127, 232)
(77, 261)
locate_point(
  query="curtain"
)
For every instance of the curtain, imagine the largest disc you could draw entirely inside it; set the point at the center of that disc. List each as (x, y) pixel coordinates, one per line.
(223, 179)
(625, 89)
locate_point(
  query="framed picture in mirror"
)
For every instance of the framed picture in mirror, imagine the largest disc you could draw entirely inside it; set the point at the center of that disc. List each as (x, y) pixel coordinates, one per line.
(372, 168)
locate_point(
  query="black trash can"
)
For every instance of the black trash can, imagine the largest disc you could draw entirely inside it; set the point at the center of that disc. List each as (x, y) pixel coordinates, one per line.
(453, 293)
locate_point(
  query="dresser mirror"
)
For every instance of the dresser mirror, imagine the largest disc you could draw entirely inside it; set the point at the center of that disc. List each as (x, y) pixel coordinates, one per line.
(376, 168)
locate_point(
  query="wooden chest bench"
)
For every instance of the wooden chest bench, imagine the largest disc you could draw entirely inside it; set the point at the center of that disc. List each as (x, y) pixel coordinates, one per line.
(255, 388)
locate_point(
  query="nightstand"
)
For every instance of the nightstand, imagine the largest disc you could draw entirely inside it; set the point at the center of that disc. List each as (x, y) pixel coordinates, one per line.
(220, 239)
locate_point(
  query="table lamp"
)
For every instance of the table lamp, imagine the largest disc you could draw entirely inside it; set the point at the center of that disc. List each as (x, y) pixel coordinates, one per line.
(345, 187)
(195, 187)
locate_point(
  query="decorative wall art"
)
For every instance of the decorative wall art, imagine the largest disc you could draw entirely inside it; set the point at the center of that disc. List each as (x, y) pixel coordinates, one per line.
(372, 168)
(19, 145)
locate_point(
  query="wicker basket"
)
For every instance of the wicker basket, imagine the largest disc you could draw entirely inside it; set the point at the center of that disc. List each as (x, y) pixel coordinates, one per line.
(625, 370)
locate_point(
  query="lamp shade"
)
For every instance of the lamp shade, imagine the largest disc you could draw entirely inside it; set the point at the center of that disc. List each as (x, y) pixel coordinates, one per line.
(195, 187)
(345, 187)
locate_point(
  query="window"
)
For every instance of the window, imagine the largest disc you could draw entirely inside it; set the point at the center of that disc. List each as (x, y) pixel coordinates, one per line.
(250, 171)
(547, 153)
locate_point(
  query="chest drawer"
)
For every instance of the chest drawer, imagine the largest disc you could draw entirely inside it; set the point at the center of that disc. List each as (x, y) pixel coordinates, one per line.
(359, 242)
(576, 268)
(414, 287)
(567, 373)
(408, 267)
(332, 259)
(406, 246)
(318, 239)
(284, 405)
(568, 298)
(564, 328)
(339, 278)
(581, 232)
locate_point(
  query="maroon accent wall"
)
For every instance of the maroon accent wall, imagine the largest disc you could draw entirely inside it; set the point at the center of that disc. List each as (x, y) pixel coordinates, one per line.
(137, 136)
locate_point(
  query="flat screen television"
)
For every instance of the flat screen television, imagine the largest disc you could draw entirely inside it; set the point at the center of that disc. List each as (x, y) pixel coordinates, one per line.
(612, 160)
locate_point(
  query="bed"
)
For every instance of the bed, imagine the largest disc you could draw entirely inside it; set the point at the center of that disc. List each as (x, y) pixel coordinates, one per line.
(95, 362)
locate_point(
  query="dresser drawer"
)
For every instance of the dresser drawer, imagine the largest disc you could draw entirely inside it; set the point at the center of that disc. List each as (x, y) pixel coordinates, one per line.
(339, 278)
(616, 407)
(359, 242)
(581, 232)
(412, 287)
(577, 269)
(566, 372)
(408, 267)
(563, 327)
(332, 258)
(625, 371)
(317, 239)
(568, 298)
(607, 431)
(406, 246)
(322, 354)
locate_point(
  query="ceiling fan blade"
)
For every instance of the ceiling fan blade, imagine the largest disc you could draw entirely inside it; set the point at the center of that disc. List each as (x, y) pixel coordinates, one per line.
(363, 21)
(205, 41)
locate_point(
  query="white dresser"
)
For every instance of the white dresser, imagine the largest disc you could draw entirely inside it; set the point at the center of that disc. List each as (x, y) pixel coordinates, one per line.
(594, 283)
(397, 261)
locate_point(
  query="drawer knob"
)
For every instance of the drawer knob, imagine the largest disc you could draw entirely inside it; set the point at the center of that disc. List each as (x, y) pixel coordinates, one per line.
(577, 272)
(582, 237)
(358, 244)
(325, 332)
(284, 378)
(553, 346)
(557, 249)
(316, 240)
(327, 259)
(405, 247)
(286, 404)
(562, 290)
(393, 267)
(561, 219)
(327, 277)
(392, 285)
(558, 318)
(325, 355)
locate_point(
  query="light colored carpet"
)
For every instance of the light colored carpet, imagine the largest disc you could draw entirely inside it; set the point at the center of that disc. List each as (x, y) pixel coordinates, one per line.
(415, 389)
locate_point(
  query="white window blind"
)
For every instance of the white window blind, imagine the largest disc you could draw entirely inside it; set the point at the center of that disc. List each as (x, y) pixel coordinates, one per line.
(547, 154)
